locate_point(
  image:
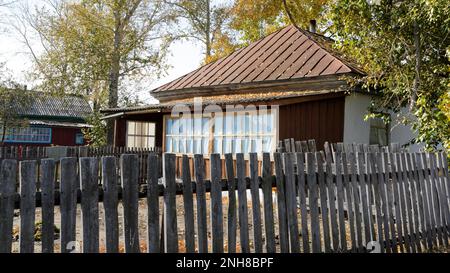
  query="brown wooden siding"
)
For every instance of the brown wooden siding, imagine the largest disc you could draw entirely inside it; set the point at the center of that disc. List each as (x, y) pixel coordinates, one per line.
(322, 120)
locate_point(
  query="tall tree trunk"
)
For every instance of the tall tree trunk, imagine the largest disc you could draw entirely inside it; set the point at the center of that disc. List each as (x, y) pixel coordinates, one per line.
(417, 66)
(208, 29)
(114, 72)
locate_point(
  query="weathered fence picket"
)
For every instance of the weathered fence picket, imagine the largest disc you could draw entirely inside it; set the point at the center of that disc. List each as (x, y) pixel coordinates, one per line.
(202, 234)
(389, 190)
(291, 202)
(47, 181)
(27, 205)
(216, 204)
(283, 232)
(187, 202)
(267, 181)
(130, 186)
(383, 199)
(68, 205)
(7, 193)
(349, 199)
(110, 203)
(323, 202)
(89, 204)
(256, 208)
(302, 189)
(404, 208)
(366, 208)
(340, 202)
(313, 202)
(232, 220)
(170, 209)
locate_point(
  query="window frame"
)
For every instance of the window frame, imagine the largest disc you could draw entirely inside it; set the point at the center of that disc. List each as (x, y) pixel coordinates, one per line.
(273, 112)
(77, 135)
(386, 127)
(48, 136)
(135, 135)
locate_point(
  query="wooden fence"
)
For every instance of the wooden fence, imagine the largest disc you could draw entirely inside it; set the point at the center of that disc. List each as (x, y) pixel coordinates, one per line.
(39, 152)
(291, 145)
(23, 152)
(303, 202)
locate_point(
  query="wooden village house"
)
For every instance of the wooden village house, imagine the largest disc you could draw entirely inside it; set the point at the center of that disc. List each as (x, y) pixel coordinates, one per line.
(293, 69)
(51, 121)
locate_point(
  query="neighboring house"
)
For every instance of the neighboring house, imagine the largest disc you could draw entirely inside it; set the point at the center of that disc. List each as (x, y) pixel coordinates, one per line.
(296, 70)
(51, 120)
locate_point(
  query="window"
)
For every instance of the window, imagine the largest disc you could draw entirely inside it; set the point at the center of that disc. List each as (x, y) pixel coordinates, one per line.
(378, 132)
(187, 135)
(236, 132)
(79, 139)
(28, 135)
(244, 133)
(140, 134)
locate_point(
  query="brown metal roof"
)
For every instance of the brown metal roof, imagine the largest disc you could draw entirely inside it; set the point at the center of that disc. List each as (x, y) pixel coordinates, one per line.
(289, 53)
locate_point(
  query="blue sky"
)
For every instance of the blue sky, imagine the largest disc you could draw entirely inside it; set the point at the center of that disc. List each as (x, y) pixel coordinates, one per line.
(184, 57)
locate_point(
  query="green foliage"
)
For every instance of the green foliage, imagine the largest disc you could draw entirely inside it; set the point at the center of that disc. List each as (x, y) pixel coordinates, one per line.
(95, 136)
(401, 45)
(13, 99)
(256, 19)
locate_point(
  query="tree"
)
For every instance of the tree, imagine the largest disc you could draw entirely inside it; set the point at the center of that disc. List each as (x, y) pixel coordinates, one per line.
(401, 45)
(96, 47)
(258, 18)
(204, 22)
(96, 135)
(13, 99)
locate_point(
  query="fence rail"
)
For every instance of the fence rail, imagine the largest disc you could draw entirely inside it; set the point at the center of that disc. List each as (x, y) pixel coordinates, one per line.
(302, 202)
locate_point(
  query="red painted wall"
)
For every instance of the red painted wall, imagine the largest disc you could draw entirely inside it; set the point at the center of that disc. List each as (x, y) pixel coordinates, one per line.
(63, 136)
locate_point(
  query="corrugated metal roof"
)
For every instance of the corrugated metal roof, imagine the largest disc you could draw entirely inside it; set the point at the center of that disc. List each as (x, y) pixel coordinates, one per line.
(66, 106)
(289, 53)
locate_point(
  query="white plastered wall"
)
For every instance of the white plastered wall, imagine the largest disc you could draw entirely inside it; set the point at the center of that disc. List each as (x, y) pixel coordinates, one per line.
(357, 130)
(401, 133)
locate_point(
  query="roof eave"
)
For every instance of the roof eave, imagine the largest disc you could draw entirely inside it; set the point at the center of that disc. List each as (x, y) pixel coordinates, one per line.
(310, 83)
